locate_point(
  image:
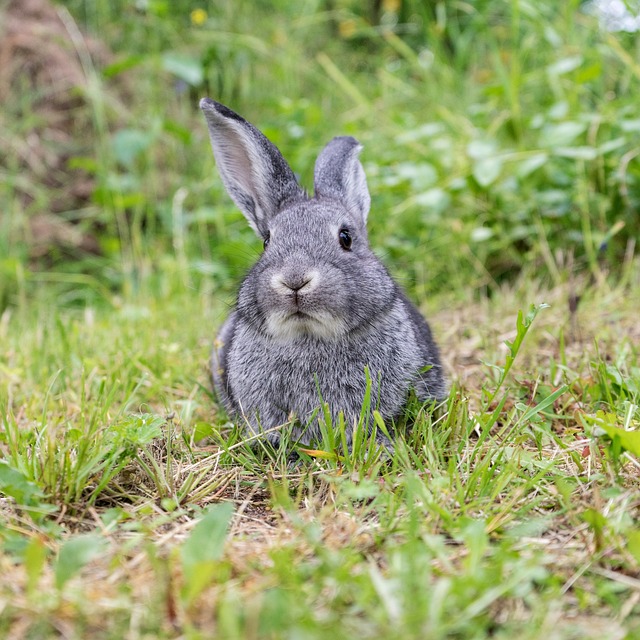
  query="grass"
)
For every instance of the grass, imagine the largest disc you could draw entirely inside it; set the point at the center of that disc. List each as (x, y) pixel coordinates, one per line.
(502, 138)
(501, 153)
(503, 513)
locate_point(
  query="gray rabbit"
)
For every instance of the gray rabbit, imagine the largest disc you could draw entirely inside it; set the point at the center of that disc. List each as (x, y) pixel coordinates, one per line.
(318, 306)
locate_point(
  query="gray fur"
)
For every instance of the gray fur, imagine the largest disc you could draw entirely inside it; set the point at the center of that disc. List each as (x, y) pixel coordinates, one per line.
(253, 171)
(311, 315)
(338, 174)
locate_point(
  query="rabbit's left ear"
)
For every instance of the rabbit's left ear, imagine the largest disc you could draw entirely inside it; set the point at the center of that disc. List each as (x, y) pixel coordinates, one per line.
(338, 174)
(253, 171)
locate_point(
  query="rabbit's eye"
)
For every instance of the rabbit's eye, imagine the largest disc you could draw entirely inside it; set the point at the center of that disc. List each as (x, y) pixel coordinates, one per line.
(266, 239)
(345, 239)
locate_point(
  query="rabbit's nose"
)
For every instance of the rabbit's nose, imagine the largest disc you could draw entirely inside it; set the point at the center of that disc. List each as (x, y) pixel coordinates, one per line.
(290, 282)
(296, 285)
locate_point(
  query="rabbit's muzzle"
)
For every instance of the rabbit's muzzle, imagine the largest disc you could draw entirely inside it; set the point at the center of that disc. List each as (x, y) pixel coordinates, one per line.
(297, 307)
(294, 283)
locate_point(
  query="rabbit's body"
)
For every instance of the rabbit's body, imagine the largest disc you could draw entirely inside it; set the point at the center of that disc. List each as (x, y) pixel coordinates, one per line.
(318, 307)
(246, 359)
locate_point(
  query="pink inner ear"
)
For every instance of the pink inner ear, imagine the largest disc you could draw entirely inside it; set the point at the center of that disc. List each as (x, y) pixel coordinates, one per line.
(339, 174)
(253, 170)
(243, 173)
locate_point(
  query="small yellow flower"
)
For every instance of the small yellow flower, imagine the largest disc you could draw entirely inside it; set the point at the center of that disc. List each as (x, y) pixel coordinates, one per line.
(347, 28)
(198, 17)
(390, 6)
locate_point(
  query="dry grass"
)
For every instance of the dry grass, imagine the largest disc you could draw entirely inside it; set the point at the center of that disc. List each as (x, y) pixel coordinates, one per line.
(298, 514)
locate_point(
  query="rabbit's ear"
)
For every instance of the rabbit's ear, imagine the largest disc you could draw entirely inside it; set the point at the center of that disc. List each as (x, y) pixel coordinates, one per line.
(338, 174)
(253, 171)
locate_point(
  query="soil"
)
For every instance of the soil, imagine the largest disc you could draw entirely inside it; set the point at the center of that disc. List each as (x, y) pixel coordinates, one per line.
(45, 121)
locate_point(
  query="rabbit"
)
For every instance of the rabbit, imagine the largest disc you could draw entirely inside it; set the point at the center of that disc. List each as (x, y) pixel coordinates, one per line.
(318, 307)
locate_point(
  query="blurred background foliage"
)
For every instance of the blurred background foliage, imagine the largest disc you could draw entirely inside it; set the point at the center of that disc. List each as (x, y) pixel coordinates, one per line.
(501, 137)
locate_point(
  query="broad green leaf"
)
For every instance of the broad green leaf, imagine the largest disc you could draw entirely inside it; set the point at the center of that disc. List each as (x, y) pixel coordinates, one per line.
(611, 145)
(478, 149)
(588, 73)
(626, 383)
(427, 130)
(476, 540)
(421, 174)
(364, 490)
(204, 547)
(16, 485)
(137, 430)
(202, 430)
(435, 199)
(480, 234)
(629, 440)
(122, 65)
(577, 153)
(184, 67)
(633, 544)
(596, 521)
(35, 555)
(528, 166)
(128, 144)
(487, 170)
(559, 110)
(565, 65)
(631, 126)
(561, 134)
(183, 134)
(76, 553)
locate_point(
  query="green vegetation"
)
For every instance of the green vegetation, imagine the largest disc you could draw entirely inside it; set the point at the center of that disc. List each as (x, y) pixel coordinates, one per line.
(501, 148)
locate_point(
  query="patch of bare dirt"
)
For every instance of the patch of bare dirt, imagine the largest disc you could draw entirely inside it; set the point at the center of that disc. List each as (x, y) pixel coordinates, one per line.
(45, 119)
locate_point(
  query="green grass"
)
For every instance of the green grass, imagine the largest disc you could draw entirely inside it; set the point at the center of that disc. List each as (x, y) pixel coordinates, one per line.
(501, 153)
(500, 139)
(504, 513)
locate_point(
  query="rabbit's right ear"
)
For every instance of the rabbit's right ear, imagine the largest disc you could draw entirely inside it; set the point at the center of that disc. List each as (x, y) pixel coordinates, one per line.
(339, 174)
(253, 171)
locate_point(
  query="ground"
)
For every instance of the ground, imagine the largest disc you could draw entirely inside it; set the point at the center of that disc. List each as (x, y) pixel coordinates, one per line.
(504, 512)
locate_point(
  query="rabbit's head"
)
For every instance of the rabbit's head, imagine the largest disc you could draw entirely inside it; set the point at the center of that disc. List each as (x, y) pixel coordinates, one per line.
(317, 276)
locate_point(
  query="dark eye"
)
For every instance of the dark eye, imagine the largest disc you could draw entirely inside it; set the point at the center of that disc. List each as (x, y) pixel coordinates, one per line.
(345, 239)
(266, 239)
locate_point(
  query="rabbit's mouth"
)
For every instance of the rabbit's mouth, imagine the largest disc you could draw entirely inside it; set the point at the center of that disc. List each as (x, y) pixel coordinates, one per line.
(297, 323)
